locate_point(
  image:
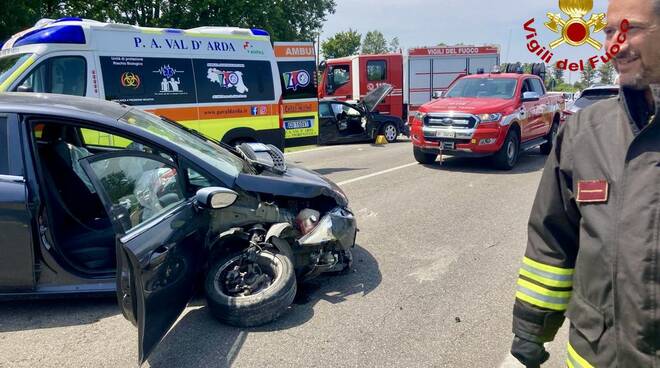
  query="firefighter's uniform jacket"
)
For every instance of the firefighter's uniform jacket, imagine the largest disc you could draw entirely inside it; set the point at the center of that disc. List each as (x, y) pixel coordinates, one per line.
(593, 251)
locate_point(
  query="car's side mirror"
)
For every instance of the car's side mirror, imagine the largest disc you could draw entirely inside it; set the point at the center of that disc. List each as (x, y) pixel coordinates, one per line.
(24, 89)
(438, 94)
(215, 197)
(530, 96)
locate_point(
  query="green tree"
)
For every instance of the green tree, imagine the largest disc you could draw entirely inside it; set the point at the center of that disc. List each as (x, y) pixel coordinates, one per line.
(394, 45)
(606, 72)
(286, 20)
(588, 75)
(341, 44)
(374, 43)
(558, 74)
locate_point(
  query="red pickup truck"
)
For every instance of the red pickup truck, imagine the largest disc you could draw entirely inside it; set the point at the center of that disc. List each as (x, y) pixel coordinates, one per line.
(496, 114)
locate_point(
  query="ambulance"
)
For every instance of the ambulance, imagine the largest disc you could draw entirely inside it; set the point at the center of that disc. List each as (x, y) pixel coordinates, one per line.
(296, 62)
(221, 81)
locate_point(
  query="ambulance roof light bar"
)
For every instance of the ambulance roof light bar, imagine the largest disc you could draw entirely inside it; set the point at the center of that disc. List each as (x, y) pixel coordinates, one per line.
(56, 34)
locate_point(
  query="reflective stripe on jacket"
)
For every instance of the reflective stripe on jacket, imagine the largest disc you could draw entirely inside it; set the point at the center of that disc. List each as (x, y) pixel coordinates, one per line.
(593, 252)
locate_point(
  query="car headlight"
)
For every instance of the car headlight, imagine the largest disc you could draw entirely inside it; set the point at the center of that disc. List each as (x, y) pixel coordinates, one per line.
(488, 118)
(420, 116)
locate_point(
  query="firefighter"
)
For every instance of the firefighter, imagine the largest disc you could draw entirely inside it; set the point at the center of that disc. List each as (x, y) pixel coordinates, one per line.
(593, 251)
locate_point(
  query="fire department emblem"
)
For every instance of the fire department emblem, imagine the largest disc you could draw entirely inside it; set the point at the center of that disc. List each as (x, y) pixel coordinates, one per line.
(576, 31)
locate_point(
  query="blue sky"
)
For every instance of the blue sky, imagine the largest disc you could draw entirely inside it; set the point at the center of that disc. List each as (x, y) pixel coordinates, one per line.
(428, 22)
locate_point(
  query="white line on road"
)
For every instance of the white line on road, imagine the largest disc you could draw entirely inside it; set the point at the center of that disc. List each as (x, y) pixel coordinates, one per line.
(312, 150)
(376, 174)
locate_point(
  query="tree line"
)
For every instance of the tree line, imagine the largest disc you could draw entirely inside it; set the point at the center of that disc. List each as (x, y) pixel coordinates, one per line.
(555, 81)
(285, 20)
(350, 43)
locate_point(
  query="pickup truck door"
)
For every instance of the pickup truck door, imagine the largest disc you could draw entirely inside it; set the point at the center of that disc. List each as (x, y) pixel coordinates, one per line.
(160, 238)
(543, 121)
(530, 113)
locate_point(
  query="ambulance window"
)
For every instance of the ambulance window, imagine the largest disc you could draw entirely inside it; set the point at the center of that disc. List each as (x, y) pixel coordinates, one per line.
(340, 75)
(376, 70)
(63, 74)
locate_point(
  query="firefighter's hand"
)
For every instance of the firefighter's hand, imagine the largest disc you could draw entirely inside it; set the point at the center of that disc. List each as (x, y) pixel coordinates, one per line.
(531, 354)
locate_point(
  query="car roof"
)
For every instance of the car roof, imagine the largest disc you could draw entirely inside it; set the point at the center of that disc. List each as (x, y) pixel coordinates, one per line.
(61, 105)
(602, 86)
(498, 75)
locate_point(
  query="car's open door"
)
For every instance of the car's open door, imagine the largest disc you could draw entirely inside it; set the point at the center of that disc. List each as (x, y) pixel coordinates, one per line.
(160, 238)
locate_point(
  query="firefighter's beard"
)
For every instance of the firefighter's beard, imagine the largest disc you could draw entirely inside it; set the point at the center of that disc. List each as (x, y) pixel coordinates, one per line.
(634, 79)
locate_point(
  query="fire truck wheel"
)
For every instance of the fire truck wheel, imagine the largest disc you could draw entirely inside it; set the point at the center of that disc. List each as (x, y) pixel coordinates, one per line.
(424, 157)
(507, 156)
(547, 147)
(390, 132)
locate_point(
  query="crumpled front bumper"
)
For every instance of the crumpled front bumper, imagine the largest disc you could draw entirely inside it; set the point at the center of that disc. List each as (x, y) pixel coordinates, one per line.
(338, 226)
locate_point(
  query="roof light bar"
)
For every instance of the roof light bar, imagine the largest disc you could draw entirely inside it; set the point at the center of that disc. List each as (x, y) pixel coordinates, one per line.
(259, 32)
(56, 34)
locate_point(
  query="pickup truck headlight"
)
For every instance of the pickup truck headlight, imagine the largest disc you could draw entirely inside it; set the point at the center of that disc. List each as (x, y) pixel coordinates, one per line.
(489, 118)
(420, 116)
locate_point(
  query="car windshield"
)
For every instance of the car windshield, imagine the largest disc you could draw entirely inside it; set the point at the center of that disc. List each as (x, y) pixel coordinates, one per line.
(204, 149)
(483, 88)
(9, 64)
(590, 96)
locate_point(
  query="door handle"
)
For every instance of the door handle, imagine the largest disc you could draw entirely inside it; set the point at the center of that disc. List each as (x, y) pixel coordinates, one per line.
(159, 255)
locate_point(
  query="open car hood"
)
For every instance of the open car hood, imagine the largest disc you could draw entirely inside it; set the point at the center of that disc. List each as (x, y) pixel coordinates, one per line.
(376, 96)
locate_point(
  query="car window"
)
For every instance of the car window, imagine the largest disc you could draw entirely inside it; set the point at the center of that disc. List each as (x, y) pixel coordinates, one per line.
(4, 147)
(138, 187)
(62, 74)
(537, 86)
(325, 111)
(97, 138)
(376, 70)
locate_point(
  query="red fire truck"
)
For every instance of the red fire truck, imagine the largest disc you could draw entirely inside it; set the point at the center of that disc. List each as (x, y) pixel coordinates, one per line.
(415, 77)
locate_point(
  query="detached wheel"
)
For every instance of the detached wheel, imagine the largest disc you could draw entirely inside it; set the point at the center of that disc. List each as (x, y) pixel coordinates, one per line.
(246, 293)
(424, 157)
(507, 156)
(390, 132)
(547, 147)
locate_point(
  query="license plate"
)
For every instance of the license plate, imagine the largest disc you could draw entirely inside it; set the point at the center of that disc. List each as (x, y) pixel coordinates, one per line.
(445, 134)
(298, 124)
(447, 145)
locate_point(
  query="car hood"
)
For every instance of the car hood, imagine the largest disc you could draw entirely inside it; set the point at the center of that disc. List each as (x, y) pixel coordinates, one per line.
(376, 96)
(295, 182)
(469, 105)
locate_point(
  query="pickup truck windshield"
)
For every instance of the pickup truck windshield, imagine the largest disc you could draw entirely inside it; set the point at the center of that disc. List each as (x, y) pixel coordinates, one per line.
(9, 63)
(205, 150)
(483, 88)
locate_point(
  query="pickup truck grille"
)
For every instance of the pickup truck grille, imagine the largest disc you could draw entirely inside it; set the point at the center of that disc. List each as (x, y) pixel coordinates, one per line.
(466, 121)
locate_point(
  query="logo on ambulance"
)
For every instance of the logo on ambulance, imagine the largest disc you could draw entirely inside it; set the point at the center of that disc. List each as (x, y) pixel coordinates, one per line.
(295, 79)
(227, 79)
(169, 84)
(130, 80)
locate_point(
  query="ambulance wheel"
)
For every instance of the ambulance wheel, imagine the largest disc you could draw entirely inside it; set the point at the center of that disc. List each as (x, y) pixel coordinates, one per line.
(547, 147)
(390, 132)
(424, 158)
(507, 156)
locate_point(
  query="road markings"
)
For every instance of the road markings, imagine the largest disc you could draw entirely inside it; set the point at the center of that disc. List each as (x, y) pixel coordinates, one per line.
(312, 150)
(376, 174)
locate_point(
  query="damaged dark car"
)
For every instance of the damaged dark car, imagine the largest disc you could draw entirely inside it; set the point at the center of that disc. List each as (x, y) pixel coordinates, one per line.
(98, 197)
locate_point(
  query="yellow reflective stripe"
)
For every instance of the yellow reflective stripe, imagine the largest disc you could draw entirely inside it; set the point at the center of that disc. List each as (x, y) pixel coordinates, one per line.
(17, 73)
(546, 281)
(577, 358)
(543, 267)
(543, 291)
(540, 303)
(569, 364)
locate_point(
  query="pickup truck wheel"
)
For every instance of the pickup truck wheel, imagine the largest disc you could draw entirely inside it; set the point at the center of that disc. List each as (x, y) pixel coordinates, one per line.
(390, 132)
(507, 156)
(245, 293)
(424, 157)
(547, 147)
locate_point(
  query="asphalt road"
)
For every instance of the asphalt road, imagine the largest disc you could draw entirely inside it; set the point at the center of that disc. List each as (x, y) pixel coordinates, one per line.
(433, 282)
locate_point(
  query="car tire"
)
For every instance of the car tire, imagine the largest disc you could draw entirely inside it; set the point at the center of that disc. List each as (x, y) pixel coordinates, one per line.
(257, 309)
(424, 158)
(507, 157)
(390, 131)
(547, 147)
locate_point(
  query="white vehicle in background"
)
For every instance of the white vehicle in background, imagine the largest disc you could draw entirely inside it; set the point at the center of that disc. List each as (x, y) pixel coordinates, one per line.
(591, 95)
